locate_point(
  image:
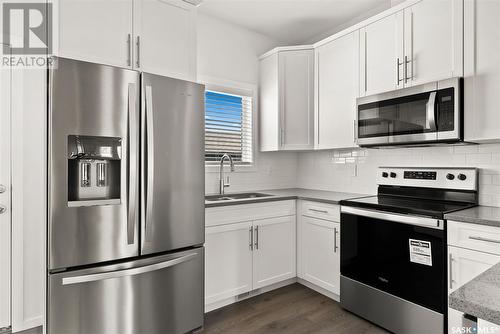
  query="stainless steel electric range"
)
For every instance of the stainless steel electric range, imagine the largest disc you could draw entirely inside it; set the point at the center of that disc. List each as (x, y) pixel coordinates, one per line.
(393, 258)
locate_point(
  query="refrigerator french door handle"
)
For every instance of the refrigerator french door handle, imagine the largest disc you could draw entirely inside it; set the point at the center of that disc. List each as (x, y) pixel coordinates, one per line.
(431, 112)
(150, 162)
(127, 272)
(132, 138)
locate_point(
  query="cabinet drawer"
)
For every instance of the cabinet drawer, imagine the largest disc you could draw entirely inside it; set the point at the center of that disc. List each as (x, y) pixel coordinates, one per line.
(321, 210)
(477, 237)
(248, 212)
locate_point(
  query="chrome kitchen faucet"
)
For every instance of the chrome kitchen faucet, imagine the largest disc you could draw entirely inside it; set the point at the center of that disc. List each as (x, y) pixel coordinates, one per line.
(222, 183)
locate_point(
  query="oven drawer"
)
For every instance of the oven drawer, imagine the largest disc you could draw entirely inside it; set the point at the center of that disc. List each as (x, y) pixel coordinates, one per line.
(157, 295)
(476, 237)
(325, 211)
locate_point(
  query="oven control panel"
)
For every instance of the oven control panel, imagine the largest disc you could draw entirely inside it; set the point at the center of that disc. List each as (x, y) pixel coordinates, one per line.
(442, 178)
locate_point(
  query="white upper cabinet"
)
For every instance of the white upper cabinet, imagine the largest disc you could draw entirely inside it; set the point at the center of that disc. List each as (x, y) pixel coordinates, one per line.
(287, 100)
(433, 41)
(296, 92)
(482, 70)
(274, 258)
(337, 85)
(97, 31)
(155, 36)
(417, 45)
(381, 55)
(165, 38)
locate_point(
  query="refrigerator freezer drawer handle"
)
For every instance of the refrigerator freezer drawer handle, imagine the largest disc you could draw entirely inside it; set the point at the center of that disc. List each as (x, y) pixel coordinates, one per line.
(150, 163)
(127, 272)
(132, 157)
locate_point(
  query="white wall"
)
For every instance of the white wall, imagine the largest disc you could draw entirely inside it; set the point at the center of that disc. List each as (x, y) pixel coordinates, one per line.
(228, 56)
(355, 170)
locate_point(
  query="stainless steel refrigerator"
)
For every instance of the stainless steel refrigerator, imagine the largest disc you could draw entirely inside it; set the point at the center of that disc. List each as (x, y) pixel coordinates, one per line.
(126, 201)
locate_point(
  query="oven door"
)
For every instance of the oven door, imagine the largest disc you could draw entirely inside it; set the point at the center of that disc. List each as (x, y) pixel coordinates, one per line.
(426, 113)
(401, 255)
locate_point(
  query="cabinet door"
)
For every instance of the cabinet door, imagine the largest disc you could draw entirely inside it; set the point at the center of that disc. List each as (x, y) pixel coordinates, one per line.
(228, 261)
(274, 251)
(320, 253)
(337, 86)
(433, 41)
(98, 31)
(463, 266)
(296, 99)
(482, 70)
(269, 105)
(381, 55)
(5, 187)
(165, 38)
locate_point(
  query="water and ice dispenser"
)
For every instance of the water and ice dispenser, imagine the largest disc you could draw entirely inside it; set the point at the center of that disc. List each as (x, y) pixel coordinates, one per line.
(94, 170)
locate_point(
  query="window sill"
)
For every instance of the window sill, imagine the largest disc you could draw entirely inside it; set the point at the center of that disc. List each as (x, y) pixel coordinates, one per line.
(237, 168)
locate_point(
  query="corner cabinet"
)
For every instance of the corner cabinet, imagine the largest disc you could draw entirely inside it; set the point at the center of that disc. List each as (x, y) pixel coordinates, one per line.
(287, 100)
(417, 45)
(482, 70)
(248, 247)
(337, 85)
(156, 36)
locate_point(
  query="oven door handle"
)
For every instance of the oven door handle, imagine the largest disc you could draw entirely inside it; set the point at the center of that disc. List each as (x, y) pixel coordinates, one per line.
(397, 218)
(430, 123)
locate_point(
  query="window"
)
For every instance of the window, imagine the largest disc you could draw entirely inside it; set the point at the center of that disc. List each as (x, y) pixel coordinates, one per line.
(228, 127)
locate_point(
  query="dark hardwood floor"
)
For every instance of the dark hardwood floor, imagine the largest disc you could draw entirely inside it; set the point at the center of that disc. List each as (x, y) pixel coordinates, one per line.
(293, 309)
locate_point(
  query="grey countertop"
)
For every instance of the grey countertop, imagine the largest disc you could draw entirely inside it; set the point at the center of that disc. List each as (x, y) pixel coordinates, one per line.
(331, 197)
(483, 215)
(480, 297)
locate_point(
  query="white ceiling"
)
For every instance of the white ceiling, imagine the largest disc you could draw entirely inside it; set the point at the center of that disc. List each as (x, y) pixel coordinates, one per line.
(291, 21)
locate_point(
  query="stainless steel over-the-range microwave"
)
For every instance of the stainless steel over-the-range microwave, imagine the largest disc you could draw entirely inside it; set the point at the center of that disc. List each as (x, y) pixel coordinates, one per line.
(427, 114)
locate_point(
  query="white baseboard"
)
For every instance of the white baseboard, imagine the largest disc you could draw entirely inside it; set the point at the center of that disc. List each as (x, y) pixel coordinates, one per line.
(319, 289)
(235, 299)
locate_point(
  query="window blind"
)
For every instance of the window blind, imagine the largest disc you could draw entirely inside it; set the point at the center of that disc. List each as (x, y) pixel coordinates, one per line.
(228, 127)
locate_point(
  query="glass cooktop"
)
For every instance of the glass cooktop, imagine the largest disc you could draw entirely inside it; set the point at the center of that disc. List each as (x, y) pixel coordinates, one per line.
(406, 205)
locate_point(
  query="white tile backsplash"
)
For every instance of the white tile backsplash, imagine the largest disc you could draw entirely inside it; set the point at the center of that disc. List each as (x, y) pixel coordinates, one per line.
(355, 170)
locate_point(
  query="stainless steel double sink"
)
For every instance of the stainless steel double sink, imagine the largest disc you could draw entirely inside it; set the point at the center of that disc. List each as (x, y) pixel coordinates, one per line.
(232, 197)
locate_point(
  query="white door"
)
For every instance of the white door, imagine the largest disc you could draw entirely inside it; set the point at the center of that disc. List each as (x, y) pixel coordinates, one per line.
(337, 87)
(433, 41)
(296, 99)
(5, 187)
(228, 261)
(97, 31)
(463, 266)
(274, 251)
(482, 70)
(381, 55)
(269, 105)
(165, 38)
(320, 252)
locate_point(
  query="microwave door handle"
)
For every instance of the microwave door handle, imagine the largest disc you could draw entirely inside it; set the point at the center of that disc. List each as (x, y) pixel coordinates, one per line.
(431, 112)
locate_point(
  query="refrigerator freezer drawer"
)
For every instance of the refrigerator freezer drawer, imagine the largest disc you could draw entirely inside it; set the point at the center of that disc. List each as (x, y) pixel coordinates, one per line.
(156, 295)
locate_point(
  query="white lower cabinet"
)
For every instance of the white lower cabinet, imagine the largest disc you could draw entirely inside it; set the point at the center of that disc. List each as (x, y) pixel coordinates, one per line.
(274, 251)
(248, 247)
(318, 245)
(228, 261)
(464, 264)
(320, 252)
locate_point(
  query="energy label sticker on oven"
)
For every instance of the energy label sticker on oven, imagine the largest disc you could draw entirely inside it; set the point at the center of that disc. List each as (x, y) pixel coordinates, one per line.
(420, 252)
